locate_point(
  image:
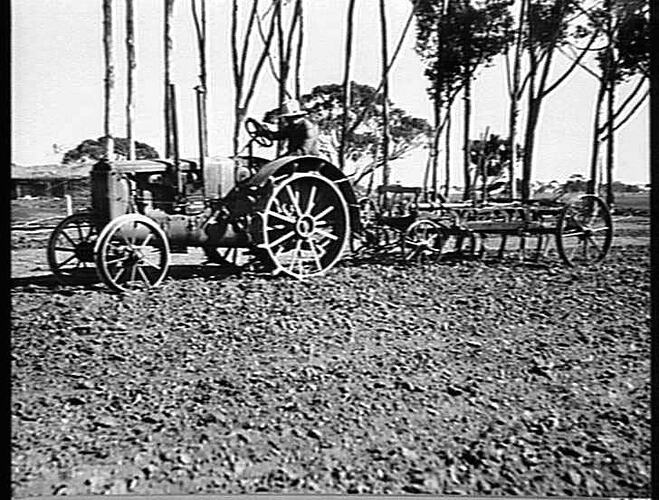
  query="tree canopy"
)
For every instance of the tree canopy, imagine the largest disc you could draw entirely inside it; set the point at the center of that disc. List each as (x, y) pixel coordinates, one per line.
(91, 150)
(625, 25)
(465, 36)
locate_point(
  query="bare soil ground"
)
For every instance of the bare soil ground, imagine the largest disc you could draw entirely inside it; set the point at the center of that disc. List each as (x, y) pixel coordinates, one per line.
(466, 377)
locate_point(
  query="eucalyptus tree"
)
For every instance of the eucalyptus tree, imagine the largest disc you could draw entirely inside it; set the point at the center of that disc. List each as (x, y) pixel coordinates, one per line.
(622, 56)
(441, 69)
(514, 83)
(455, 39)
(92, 150)
(549, 25)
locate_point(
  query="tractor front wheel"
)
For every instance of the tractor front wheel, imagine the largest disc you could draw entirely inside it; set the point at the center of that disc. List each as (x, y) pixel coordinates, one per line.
(132, 253)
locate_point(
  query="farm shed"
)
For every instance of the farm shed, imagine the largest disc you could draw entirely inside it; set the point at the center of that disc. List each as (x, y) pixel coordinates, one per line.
(48, 180)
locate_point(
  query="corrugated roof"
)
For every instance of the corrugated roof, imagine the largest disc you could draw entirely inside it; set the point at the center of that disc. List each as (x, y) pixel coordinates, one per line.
(34, 172)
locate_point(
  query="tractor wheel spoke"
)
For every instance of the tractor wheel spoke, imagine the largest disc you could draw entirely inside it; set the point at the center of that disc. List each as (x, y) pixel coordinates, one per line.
(116, 277)
(66, 261)
(66, 235)
(280, 240)
(323, 213)
(294, 196)
(145, 278)
(312, 200)
(146, 240)
(326, 234)
(283, 217)
(149, 262)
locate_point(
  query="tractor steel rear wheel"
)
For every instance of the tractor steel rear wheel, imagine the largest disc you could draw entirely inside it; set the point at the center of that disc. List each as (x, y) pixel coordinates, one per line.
(71, 249)
(132, 253)
(304, 226)
(584, 231)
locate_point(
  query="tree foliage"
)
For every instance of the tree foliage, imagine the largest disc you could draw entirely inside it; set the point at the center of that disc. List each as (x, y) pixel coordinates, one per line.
(324, 104)
(624, 27)
(91, 150)
(454, 39)
(468, 35)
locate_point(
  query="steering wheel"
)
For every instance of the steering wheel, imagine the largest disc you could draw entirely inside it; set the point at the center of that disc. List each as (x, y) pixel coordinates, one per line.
(258, 132)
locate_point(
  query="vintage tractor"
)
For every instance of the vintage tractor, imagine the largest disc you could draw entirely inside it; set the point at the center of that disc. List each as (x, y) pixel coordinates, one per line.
(292, 215)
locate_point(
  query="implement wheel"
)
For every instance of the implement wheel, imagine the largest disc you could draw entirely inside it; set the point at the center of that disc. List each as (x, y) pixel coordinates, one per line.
(71, 249)
(132, 253)
(584, 231)
(304, 227)
(421, 242)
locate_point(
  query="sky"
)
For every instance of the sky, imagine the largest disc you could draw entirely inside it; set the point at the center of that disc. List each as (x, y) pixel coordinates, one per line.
(58, 69)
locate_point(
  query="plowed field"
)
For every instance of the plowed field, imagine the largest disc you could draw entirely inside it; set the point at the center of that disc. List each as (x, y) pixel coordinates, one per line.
(464, 377)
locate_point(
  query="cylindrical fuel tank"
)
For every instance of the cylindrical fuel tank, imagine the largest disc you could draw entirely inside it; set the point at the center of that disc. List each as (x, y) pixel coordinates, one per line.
(110, 192)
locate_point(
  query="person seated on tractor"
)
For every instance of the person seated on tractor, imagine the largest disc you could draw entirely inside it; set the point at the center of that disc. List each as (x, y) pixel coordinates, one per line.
(300, 133)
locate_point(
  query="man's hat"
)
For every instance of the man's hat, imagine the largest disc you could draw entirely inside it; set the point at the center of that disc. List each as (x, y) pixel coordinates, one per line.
(291, 108)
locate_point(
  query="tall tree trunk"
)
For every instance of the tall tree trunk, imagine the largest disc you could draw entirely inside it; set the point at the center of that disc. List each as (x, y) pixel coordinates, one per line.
(514, 98)
(529, 144)
(237, 125)
(467, 126)
(438, 100)
(202, 89)
(594, 159)
(433, 147)
(168, 46)
(131, 65)
(531, 121)
(109, 79)
(536, 97)
(611, 71)
(346, 84)
(426, 175)
(385, 96)
(281, 95)
(610, 143)
(436, 141)
(238, 78)
(299, 52)
(447, 156)
(512, 134)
